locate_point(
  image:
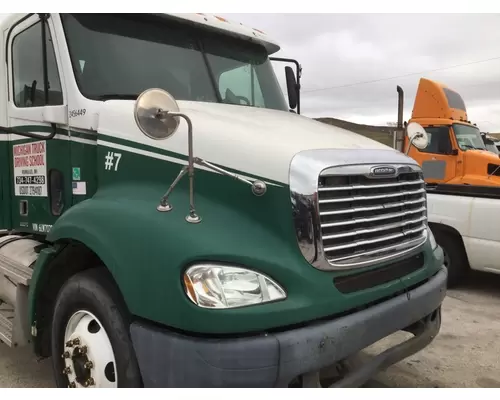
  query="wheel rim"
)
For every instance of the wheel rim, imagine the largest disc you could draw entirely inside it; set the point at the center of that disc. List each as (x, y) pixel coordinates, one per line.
(88, 356)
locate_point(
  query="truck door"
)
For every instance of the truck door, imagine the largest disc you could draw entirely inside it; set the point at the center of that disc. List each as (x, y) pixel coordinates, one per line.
(4, 183)
(437, 159)
(37, 104)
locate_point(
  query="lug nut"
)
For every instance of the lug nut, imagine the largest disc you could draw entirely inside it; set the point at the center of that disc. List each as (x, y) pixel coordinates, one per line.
(69, 343)
(76, 341)
(89, 382)
(72, 385)
(67, 371)
(83, 350)
(89, 365)
(65, 354)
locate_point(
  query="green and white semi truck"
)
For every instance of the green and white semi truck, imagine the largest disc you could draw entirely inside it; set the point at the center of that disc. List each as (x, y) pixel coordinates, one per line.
(167, 220)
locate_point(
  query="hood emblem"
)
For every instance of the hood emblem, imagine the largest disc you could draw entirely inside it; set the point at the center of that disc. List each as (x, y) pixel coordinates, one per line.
(383, 171)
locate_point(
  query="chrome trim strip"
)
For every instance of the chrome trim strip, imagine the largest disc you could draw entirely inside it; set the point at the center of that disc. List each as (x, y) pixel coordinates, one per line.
(399, 248)
(377, 240)
(374, 208)
(377, 186)
(305, 170)
(373, 230)
(373, 219)
(376, 197)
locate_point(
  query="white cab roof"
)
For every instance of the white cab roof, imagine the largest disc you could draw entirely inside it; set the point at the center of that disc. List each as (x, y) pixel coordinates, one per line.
(207, 21)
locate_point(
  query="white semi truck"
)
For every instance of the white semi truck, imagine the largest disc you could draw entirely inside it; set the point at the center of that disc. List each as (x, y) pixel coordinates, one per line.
(166, 221)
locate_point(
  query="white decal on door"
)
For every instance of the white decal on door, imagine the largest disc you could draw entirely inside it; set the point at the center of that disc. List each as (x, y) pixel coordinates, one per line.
(43, 228)
(112, 160)
(30, 169)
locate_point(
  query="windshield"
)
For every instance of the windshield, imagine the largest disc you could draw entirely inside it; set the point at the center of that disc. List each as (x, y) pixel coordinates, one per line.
(468, 137)
(491, 147)
(489, 144)
(119, 56)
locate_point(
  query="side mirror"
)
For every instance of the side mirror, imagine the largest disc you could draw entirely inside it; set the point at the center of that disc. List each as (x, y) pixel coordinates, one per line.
(291, 85)
(155, 114)
(417, 136)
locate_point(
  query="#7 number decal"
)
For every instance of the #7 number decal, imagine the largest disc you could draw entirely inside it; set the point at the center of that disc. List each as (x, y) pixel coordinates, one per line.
(112, 161)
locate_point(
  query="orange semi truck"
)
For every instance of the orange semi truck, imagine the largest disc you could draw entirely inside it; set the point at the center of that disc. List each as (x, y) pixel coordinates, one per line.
(456, 153)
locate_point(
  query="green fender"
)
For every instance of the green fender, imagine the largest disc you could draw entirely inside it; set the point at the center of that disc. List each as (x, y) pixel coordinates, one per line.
(146, 252)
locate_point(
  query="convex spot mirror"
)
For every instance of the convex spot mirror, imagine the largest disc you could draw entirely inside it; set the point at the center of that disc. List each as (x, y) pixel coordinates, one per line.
(417, 136)
(151, 114)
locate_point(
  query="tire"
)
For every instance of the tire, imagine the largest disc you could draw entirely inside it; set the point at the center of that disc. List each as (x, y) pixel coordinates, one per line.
(455, 257)
(90, 307)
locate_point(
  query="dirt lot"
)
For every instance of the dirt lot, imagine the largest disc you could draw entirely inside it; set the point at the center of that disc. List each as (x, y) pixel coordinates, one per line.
(465, 354)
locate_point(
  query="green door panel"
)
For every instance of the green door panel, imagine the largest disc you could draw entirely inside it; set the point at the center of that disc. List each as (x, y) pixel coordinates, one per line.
(4, 184)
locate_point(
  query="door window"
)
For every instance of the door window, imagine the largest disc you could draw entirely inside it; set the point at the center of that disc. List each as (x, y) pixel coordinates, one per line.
(27, 60)
(439, 140)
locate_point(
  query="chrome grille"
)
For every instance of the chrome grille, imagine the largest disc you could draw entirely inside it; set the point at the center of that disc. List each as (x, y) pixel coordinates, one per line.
(364, 219)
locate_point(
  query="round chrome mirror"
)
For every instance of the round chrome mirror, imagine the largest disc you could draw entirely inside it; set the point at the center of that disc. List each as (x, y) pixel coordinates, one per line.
(151, 114)
(417, 135)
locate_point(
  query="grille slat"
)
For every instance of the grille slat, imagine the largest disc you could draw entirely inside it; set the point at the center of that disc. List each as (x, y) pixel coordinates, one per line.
(375, 197)
(380, 250)
(376, 186)
(365, 218)
(373, 219)
(382, 228)
(372, 208)
(373, 241)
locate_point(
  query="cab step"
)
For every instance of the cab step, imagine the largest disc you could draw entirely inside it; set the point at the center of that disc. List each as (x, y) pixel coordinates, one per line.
(15, 270)
(6, 326)
(17, 256)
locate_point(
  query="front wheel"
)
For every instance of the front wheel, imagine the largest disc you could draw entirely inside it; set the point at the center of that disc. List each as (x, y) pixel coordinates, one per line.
(455, 257)
(90, 341)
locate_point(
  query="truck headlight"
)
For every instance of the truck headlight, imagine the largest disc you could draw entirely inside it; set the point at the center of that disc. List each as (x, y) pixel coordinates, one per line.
(219, 286)
(432, 239)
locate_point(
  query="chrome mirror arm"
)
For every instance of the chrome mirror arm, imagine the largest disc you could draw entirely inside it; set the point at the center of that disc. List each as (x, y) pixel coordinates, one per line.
(164, 203)
(192, 217)
(417, 136)
(259, 188)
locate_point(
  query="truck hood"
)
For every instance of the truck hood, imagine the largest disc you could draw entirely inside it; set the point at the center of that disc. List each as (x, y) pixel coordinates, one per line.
(255, 141)
(482, 155)
(477, 161)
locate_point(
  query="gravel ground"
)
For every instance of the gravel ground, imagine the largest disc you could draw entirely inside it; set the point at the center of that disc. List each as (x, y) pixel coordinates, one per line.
(465, 353)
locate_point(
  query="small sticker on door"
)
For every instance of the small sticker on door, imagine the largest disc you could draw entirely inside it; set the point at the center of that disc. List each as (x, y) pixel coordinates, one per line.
(76, 174)
(80, 188)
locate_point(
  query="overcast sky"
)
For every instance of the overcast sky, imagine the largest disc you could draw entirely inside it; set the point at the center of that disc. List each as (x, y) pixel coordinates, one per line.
(339, 51)
(345, 49)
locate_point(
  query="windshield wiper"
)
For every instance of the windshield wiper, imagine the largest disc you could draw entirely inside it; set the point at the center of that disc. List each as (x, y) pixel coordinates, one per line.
(472, 147)
(117, 96)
